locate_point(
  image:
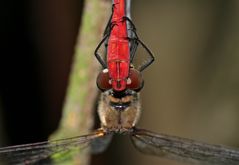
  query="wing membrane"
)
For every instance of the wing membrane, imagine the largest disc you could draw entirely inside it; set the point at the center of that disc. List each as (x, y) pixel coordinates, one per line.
(31, 153)
(184, 149)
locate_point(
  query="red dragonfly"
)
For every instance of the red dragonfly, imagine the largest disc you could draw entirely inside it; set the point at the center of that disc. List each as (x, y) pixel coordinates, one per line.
(119, 110)
(121, 41)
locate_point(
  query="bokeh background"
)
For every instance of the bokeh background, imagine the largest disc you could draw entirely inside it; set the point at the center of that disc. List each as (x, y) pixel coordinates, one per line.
(191, 90)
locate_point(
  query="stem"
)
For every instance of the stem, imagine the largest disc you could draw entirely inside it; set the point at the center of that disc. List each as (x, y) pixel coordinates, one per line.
(77, 117)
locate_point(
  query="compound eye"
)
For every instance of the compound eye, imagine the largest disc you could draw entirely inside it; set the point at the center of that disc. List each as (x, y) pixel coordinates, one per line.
(135, 80)
(103, 80)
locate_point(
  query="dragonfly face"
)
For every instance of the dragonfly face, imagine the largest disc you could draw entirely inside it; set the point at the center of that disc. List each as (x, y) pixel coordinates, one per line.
(119, 112)
(134, 82)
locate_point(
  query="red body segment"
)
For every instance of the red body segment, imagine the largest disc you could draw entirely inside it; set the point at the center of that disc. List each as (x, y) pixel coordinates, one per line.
(118, 57)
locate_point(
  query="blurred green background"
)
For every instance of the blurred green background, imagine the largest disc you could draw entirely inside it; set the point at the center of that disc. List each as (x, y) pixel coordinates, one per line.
(191, 90)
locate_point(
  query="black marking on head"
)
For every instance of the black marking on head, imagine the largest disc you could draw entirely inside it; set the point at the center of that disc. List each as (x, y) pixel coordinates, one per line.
(121, 94)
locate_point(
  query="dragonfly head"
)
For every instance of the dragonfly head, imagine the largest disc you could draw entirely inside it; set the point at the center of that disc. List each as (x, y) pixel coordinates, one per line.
(134, 82)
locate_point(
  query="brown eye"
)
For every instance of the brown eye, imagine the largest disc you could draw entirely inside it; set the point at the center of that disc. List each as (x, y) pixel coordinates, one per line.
(135, 80)
(103, 80)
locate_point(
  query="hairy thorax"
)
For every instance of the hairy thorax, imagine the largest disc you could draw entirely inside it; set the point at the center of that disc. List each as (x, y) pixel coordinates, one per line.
(119, 114)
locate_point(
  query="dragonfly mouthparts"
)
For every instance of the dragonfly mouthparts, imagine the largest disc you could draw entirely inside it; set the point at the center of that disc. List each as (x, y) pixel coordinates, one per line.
(120, 106)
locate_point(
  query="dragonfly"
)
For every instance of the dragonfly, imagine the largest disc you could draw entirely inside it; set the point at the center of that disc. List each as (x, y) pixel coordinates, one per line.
(119, 108)
(121, 42)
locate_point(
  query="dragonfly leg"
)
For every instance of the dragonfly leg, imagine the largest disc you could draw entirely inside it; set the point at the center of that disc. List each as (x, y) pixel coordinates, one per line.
(107, 32)
(108, 26)
(97, 55)
(133, 28)
(131, 37)
(134, 44)
(151, 56)
(133, 47)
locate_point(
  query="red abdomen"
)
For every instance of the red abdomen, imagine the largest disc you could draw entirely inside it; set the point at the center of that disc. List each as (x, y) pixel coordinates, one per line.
(118, 53)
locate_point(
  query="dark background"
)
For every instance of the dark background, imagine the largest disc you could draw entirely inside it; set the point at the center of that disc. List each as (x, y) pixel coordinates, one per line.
(37, 47)
(191, 90)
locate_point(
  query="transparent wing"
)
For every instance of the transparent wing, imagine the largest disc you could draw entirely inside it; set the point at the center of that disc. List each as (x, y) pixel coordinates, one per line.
(183, 149)
(99, 145)
(34, 152)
